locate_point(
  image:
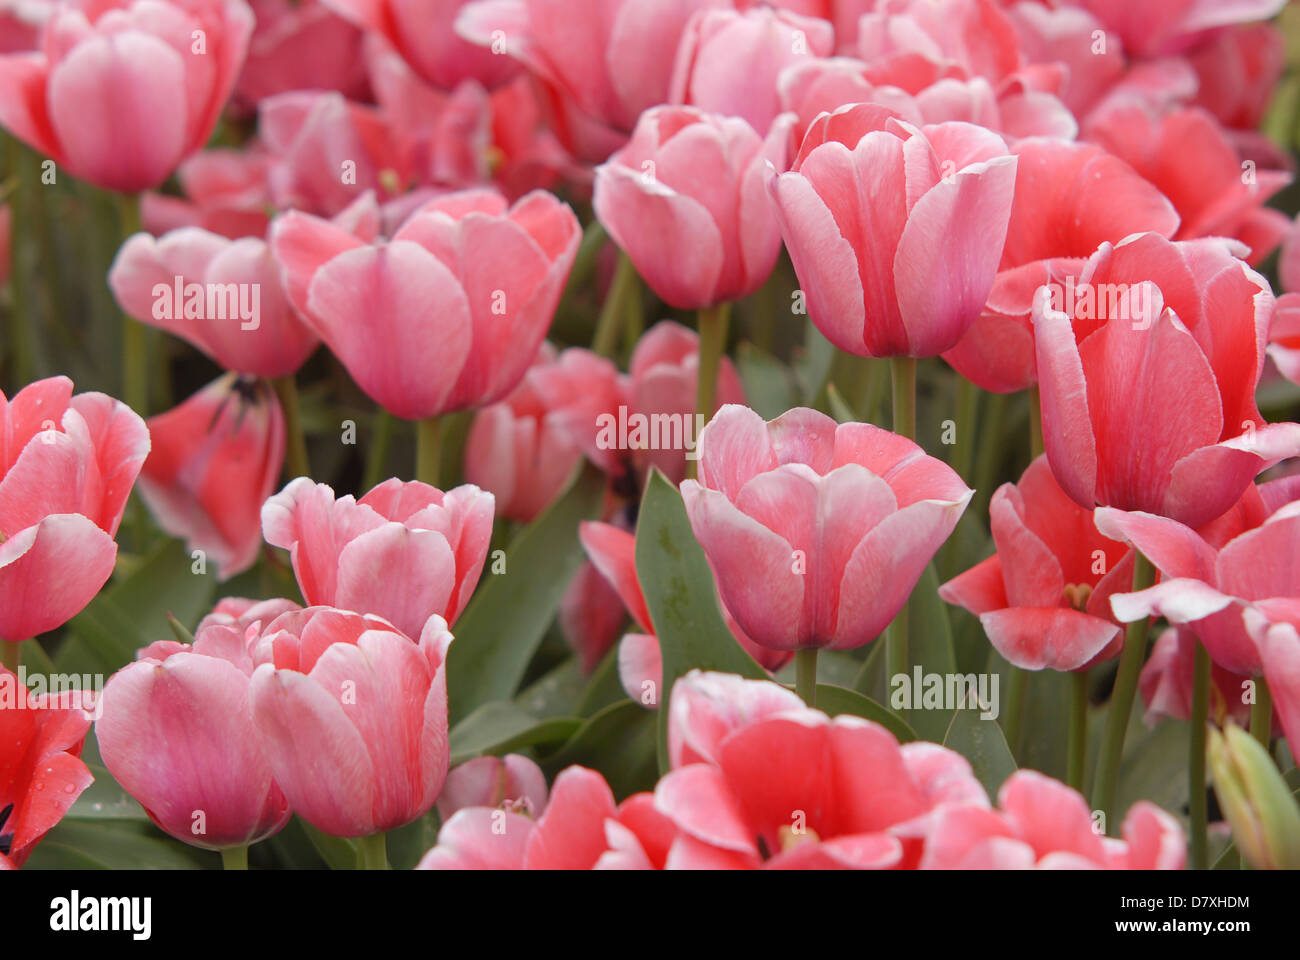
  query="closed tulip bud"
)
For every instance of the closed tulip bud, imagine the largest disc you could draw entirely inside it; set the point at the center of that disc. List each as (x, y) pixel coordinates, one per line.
(1260, 806)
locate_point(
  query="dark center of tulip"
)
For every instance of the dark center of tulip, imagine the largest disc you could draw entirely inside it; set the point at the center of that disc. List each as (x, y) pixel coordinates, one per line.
(1077, 595)
(6, 839)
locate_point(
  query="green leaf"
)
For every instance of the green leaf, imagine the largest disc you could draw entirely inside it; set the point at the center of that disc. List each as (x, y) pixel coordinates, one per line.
(982, 743)
(339, 853)
(115, 845)
(504, 624)
(769, 384)
(840, 408)
(620, 742)
(500, 727)
(834, 700)
(105, 800)
(682, 598)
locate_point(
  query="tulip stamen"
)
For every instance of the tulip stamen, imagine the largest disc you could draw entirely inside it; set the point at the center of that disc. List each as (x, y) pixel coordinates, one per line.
(1077, 596)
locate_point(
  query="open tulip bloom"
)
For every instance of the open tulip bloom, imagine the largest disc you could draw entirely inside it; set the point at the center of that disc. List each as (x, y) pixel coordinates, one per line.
(649, 435)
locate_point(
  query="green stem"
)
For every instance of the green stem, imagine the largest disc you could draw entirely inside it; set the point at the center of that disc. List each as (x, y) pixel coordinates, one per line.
(1106, 784)
(1261, 714)
(11, 655)
(902, 372)
(1196, 758)
(235, 858)
(1035, 423)
(624, 297)
(22, 228)
(286, 388)
(989, 457)
(1017, 692)
(372, 852)
(1077, 749)
(963, 452)
(428, 450)
(135, 347)
(377, 455)
(805, 675)
(713, 341)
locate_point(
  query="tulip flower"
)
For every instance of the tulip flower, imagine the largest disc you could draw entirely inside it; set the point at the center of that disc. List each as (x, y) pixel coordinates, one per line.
(224, 191)
(352, 717)
(120, 92)
(223, 296)
(1044, 597)
(404, 551)
(1275, 628)
(1042, 824)
(729, 61)
(1258, 803)
(456, 304)
(512, 782)
(929, 39)
(1169, 26)
(1148, 379)
(685, 200)
(1167, 682)
(300, 46)
(941, 196)
(581, 829)
(41, 772)
(177, 733)
(67, 465)
(591, 617)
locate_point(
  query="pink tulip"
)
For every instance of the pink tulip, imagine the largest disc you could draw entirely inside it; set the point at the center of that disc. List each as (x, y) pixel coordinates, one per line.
(20, 23)
(1275, 628)
(929, 39)
(943, 196)
(1065, 37)
(685, 201)
(1188, 156)
(1148, 398)
(1043, 598)
(225, 192)
(1070, 198)
(215, 459)
(729, 61)
(456, 304)
(1167, 682)
(591, 617)
(177, 733)
(67, 465)
(1239, 68)
(581, 829)
(300, 46)
(707, 707)
(1206, 583)
(404, 551)
(792, 789)
(223, 296)
(352, 717)
(423, 31)
(122, 91)
(1042, 824)
(817, 532)
(512, 782)
(1169, 26)
(1284, 336)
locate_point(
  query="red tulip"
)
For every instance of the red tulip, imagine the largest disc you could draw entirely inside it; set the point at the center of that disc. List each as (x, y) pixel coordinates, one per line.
(941, 195)
(41, 773)
(457, 303)
(817, 532)
(1041, 823)
(67, 465)
(223, 296)
(122, 91)
(1043, 598)
(1070, 198)
(215, 459)
(177, 733)
(404, 551)
(512, 782)
(1148, 389)
(352, 717)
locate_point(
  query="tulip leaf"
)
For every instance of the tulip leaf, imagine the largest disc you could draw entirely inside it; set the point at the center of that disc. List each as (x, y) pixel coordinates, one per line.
(981, 742)
(504, 624)
(682, 598)
(834, 700)
(620, 742)
(500, 727)
(115, 845)
(769, 384)
(105, 799)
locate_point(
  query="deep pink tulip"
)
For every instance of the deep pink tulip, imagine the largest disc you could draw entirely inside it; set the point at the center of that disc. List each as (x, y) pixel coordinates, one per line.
(729, 61)
(423, 31)
(1044, 597)
(352, 717)
(1041, 823)
(1284, 336)
(685, 199)
(707, 707)
(215, 459)
(817, 532)
(512, 782)
(1070, 198)
(1207, 582)
(1239, 68)
(67, 465)
(299, 45)
(455, 305)
(929, 39)
(1169, 26)
(792, 789)
(1064, 36)
(941, 195)
(223, 296)
(1148, 389)
(404, 551)
(177, 733)
(1275, 628)
(225, 191)
(581, 829)
(1168, 679)
(1189, 157)
(592, 616)
(121, 91)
